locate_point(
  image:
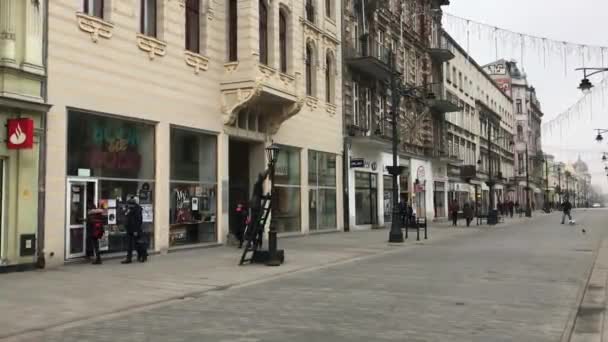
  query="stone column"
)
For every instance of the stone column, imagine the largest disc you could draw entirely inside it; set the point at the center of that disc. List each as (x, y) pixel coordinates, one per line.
(304, 193)
(8, 13)
(162, 191)
(34, 24)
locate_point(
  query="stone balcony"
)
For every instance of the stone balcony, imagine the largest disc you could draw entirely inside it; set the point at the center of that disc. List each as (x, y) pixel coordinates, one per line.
(257, 87)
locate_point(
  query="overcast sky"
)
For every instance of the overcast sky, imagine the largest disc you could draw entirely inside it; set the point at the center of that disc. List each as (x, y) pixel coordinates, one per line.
(581, 21)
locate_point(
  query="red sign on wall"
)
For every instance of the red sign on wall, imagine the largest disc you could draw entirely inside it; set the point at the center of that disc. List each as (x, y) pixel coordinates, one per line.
(20, 134)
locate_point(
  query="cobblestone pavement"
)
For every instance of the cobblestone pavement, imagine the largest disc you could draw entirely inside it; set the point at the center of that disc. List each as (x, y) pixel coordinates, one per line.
(508, 283)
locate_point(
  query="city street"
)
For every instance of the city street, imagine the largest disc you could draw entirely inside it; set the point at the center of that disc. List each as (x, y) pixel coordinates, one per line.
(519, 281)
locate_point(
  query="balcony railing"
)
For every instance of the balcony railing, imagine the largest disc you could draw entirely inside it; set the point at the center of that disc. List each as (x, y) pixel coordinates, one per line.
(441, 50)
(374, 60)
(441, 101)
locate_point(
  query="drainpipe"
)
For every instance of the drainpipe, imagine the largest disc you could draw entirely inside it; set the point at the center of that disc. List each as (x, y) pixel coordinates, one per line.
(345, 183)
(40, 259)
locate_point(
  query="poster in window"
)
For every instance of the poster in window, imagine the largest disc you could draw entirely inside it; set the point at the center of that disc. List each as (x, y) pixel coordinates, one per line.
(104, 242)
(112, 216)
(194, 203)
(147, 212)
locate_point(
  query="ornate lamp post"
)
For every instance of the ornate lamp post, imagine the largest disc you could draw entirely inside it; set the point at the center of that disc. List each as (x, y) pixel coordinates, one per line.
(599, 138)
(274, 258)
(493, 213)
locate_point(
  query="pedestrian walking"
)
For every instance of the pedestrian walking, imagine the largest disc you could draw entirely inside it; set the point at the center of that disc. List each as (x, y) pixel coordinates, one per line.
(454, 208)
(517, 209)
(95, 230)
(134, 232)
(241, 223)
(566, 208)
(410, 219)
(511, 206)
(468, 213)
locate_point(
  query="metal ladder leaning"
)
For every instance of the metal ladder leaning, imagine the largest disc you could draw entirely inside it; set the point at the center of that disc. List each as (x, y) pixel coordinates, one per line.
(253, 236)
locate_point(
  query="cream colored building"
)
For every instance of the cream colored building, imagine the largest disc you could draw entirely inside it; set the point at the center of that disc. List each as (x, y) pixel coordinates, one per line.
(174, 101)
(22, 116)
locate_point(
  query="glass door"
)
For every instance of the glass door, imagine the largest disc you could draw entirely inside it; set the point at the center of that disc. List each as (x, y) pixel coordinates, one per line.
(80, 192)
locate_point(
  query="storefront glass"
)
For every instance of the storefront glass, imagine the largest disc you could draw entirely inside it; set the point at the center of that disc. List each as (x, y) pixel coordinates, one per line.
(193, 201)
(439, 199)
(287, 188)
(322, 193)
(388, 198)
(110, 161)
(366, 198)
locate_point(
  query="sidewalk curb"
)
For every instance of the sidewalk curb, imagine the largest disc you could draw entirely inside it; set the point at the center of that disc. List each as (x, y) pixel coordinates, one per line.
(39, 331)
(573, 315)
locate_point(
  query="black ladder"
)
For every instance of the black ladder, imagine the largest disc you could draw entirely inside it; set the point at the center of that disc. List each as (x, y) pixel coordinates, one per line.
(254, 232)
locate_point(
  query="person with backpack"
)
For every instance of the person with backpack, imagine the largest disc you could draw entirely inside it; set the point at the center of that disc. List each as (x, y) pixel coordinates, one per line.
(134, 229)
(95, 230)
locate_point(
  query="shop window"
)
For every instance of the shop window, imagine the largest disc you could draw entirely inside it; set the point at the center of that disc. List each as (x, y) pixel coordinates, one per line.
(193, 28)
(148, 17)
(322, 193)
(263, 32)
(193, 201)
(287, 188)
(93, 8)
(232, 31)
(388, 198)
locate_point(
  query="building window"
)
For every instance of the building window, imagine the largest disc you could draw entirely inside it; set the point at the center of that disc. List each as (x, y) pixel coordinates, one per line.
(356, 96)
(93, 8)
(193, 26)
(263, 33)
(309, 70)
(232, 31)
(283, 40)
(519, 106)
(520, 163)
(366, 204)
(448, 73)
(322, 193)
(287, 179)
(329, 78)
(148, 18)
(193, 196)
(329, 8)
(520, 133)
(310, 11)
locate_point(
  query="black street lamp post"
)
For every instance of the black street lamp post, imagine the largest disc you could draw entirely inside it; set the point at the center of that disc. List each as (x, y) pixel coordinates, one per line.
(547, 206)
(396, 234)
(528, 207)
(492, 213)
(559, 184)
(586, 85)
(274, 258)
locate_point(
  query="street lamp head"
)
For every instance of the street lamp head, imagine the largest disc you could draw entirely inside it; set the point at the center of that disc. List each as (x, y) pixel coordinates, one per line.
(604, 158)
(478, 161)
(585, 86)
(272, 152)
(599, 138)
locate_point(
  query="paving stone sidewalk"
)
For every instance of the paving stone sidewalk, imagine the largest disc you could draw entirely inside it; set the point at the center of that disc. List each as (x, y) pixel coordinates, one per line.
(41, 299)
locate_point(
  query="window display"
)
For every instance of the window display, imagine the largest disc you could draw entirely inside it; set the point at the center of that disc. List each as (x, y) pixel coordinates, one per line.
(322, 193)
(193, 202)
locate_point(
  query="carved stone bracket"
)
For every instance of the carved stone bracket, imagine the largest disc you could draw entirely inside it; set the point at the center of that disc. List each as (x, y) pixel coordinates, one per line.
(198, 62)
(235, 99)
(312, 102)
(266, 72)
(96, 27)
(152, 46)
(331, 108)
(287, 79)
(231, 66)
(287, 113)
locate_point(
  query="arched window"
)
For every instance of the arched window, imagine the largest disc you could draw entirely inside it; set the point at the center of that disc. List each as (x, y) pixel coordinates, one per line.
(329, 78)
(263, 33)
(283, 40)
(310, 11)
(309, 72)
(232, 31)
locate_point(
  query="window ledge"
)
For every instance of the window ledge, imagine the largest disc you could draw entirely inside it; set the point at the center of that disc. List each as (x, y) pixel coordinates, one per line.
(152, 46)
(266, 70)
(330, 20)
(196, 61)
(312, 102)
(96, 27)
(287, 79)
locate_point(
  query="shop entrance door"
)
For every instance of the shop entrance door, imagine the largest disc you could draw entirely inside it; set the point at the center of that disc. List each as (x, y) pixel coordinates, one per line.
(79, 193)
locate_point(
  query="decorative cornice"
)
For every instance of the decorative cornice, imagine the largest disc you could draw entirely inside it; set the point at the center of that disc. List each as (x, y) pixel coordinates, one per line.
(312, 102)
(96, 27)
(198, 62)
(152, 46)
(235, 99)
(231, 66)
(287, 79)
(313, 30)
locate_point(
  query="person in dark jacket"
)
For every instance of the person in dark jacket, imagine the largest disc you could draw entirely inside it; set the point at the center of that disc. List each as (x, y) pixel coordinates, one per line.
(468, 213)
(95, 229)
(511, 206)
(241, 223)
(134, 232)
(403, 212)
(454, 208)
(566, 208)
